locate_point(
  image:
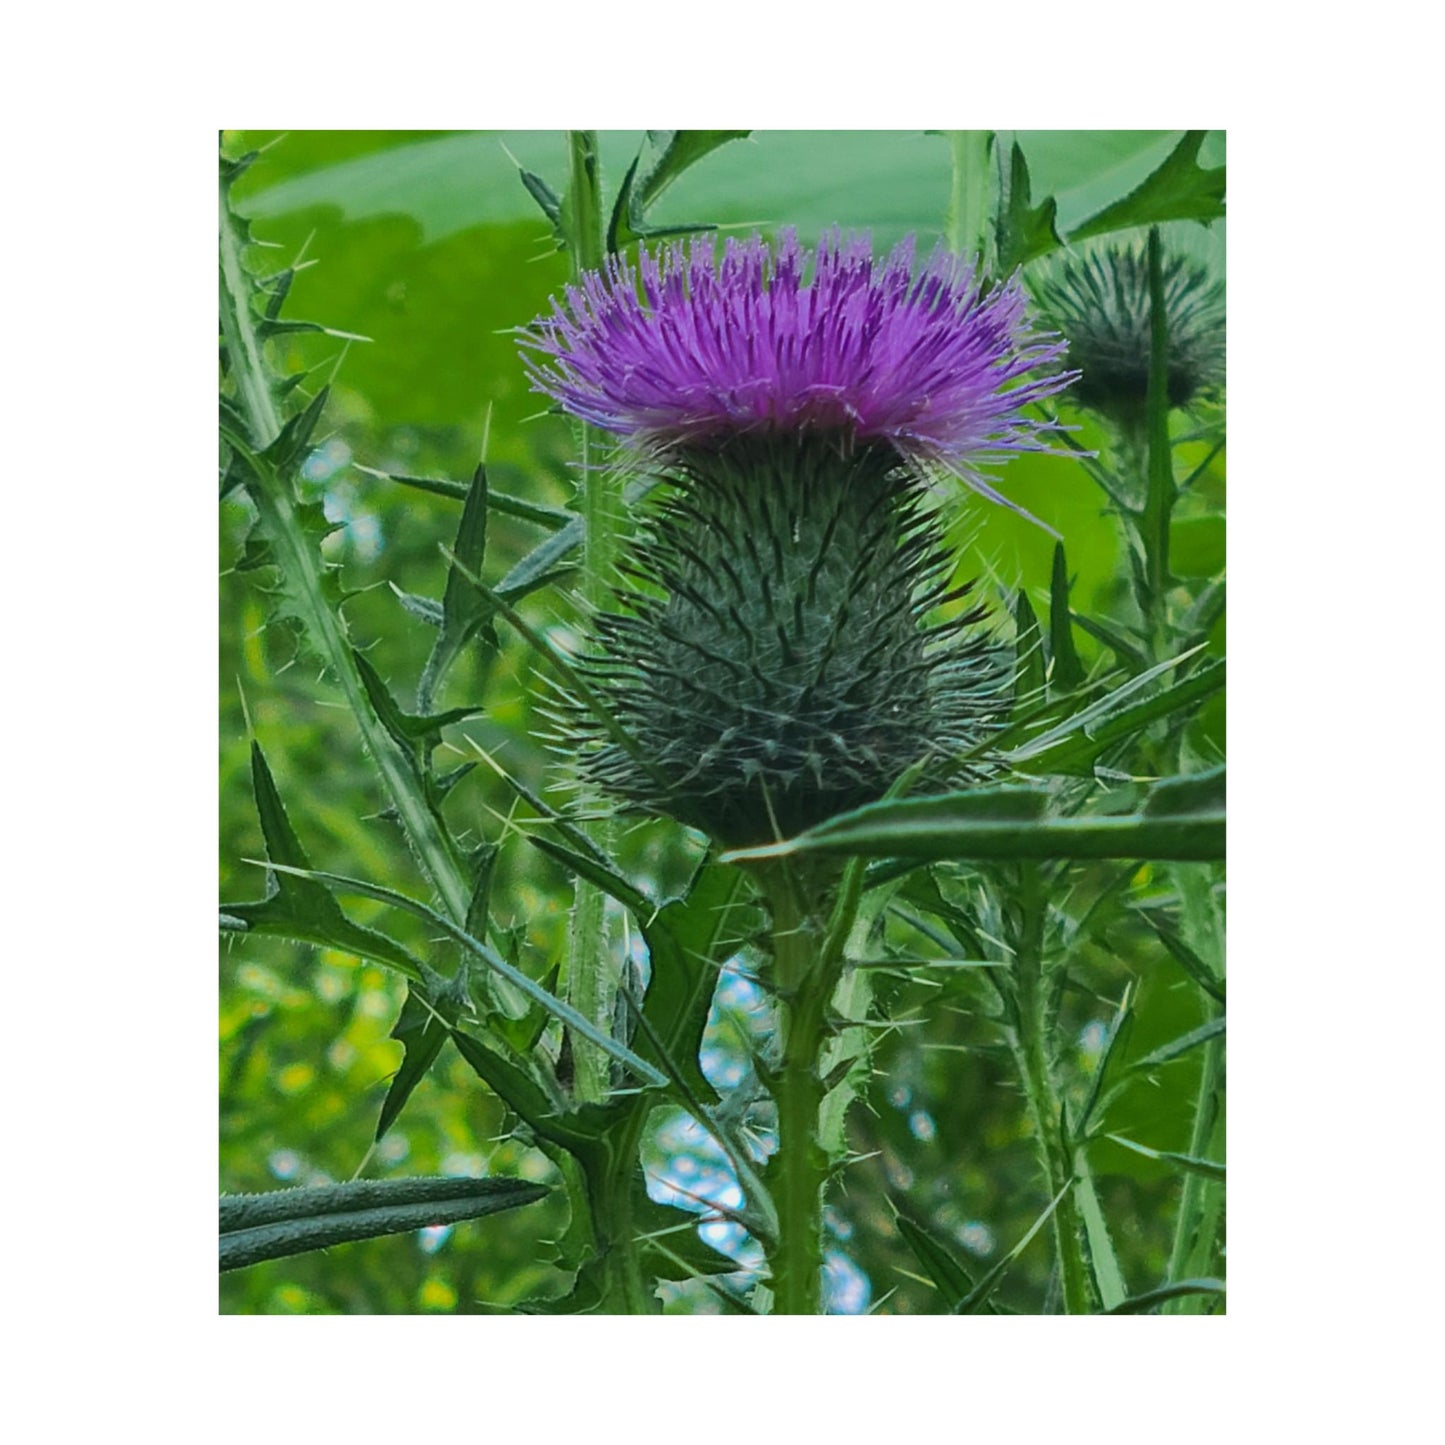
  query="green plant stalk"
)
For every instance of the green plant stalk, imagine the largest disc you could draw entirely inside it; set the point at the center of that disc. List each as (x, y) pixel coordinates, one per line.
(627, 1290)
(1160, 491)
(591, 989)
(301, 567)
(809, 950)
(968, 202)
(1198, 1212)
(797, 1261)
(1029, 1039)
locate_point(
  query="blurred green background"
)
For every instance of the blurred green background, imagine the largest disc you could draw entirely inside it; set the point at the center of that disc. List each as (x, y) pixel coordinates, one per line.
(427, 244)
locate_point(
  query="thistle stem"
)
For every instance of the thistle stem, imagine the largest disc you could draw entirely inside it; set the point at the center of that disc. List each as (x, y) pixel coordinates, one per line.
(1029, 1039)
(804, 983)
(590, 987)
(302, 571)
(968, 199)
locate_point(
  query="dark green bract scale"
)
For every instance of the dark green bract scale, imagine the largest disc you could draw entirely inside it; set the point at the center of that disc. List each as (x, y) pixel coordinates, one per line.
(775, 661)
(1100, 304)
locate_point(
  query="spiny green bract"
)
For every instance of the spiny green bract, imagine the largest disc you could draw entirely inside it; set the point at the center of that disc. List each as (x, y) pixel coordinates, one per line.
(1100, 303)
(774, 662)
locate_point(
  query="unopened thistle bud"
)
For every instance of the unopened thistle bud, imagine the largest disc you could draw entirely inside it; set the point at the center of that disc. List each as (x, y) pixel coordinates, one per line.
(779, 654)
(1100, 304)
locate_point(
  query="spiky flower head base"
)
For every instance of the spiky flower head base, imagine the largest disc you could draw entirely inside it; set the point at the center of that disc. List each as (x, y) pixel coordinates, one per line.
(1100, 303)
(775, 660)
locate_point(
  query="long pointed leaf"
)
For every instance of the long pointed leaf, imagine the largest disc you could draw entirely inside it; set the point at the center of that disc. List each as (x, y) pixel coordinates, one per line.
(295, 1221)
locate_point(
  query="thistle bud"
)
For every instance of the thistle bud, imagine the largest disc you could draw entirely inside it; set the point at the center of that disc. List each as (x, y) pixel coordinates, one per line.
(789, 641)
(1100, 304)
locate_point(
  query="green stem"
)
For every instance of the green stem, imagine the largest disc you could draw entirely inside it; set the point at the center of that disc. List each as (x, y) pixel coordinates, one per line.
(1160, 492)
(804, 983)
(303, 573)
(1030, 1042)
(1194, 1228)
(968, 199)
(591, 988)
(628, 1290)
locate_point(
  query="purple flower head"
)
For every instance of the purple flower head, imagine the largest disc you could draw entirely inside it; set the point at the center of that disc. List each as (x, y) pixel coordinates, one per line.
(925, 358)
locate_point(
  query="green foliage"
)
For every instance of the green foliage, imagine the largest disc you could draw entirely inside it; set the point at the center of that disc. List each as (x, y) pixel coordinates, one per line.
(1032, 1046)
(258, 1227)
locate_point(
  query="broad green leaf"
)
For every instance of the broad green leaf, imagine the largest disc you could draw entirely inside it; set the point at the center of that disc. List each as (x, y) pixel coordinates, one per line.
(1180, 190)
(294, 906)
(257, 1227)
(895, 182)
(1008, 822)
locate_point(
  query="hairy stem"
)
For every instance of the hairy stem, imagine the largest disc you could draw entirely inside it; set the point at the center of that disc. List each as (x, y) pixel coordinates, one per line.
(303, 571)
(805, 977)
(1029, 1039)
(591, 987)
(968, 199)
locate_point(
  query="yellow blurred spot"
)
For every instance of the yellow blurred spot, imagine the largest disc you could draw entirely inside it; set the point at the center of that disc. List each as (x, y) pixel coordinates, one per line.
(437, 1294)
(289, 1299)
(294, 1077)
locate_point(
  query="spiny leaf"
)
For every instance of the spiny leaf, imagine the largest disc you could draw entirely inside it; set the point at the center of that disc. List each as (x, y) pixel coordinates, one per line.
(1006, 822)
(1029, 668)
(676, 151)
(295, 906)
(547, 516)
(1023, 231)
(548, 199)
(422, 1028)
(978, 1296)
(1186, 957)
(580, 1132)
(295, 1221)
(1104, 1263)
(408, 731)
(1175, 1048)
(465, 614)
(519, 980)
(1180, 190)
(1076, 744)
(1209, 1168)
(949, 1277)
(293, 441)
(1068, 670)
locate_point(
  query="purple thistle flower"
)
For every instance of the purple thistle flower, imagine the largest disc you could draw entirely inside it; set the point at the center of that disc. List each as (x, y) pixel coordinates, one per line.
(928, 360)
(795, 643)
